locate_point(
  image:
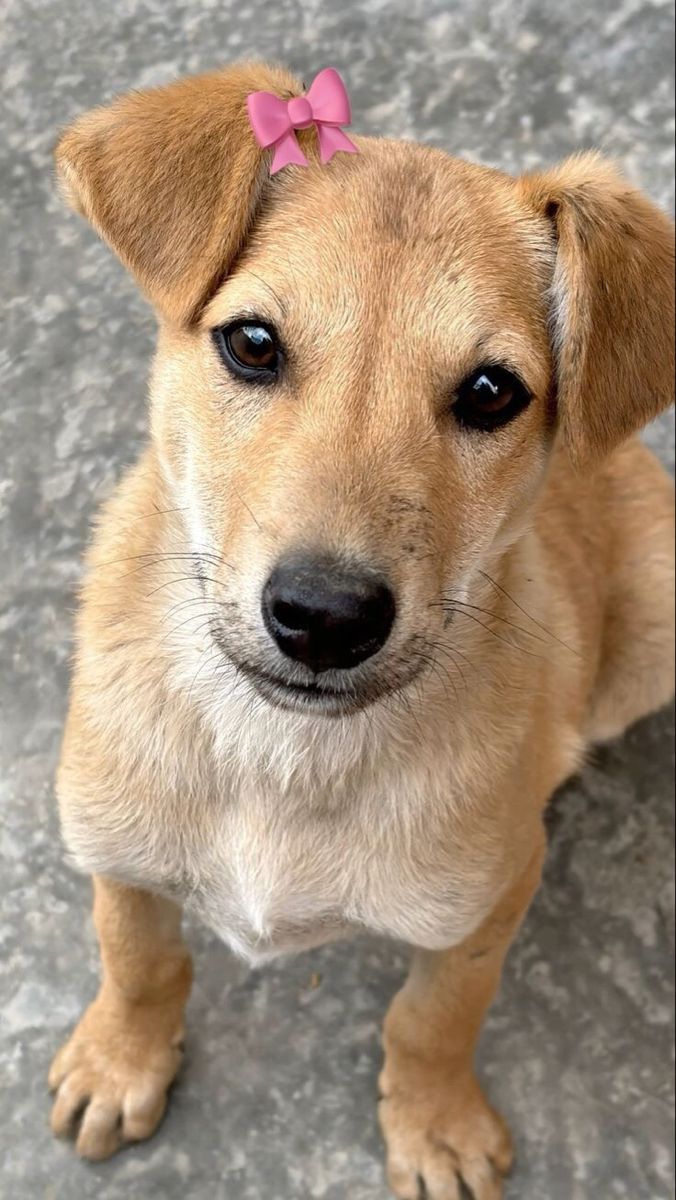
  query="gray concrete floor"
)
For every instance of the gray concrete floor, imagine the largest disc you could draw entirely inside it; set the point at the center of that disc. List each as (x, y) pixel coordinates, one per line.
(276, 1100)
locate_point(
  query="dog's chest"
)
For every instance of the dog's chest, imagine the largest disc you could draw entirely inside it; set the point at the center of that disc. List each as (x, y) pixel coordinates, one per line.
(269, 885)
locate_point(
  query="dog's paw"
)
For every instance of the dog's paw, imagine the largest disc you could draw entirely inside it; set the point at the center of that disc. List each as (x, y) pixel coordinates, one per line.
(444, 1141)
(111, 1078)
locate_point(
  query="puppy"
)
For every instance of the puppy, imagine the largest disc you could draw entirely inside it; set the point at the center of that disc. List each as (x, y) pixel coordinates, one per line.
(390, 562)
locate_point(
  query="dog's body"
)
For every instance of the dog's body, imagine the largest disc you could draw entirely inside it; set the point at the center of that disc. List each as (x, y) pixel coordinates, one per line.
(534, 600)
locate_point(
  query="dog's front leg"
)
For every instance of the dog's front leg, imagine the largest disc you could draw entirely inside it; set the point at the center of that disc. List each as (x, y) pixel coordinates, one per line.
(111, 1077)
(441, 1133)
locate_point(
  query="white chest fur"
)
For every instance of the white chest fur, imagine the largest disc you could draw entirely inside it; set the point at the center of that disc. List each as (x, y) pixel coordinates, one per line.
(269, 884)
(390, 845)
(304, 835)
(274, 871)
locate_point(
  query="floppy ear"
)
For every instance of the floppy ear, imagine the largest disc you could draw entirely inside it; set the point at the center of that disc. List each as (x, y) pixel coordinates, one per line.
(612, 302)
(171, 177)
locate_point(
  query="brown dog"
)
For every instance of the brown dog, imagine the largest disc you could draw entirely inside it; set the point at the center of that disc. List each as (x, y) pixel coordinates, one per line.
(388, 565)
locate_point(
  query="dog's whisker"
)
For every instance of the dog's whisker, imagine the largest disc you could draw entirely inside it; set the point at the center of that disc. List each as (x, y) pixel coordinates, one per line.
(282, 306)
(158, 564)
(505, 641)
(530, 616)
(451, 602)
(244, 504)
(159, 512)
(180, 604)
(436, 668)
(183, 579)
(199, 616)
(158, 556)
(203, 661)
(448, 651)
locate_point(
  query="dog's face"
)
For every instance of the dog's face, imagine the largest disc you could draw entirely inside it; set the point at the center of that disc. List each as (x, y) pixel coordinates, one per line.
(362, 368)
(360, 417)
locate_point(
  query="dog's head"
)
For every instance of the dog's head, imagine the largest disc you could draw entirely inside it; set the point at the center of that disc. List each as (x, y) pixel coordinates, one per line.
(363, 368)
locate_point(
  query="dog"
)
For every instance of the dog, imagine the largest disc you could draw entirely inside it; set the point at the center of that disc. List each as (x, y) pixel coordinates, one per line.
(392, 560)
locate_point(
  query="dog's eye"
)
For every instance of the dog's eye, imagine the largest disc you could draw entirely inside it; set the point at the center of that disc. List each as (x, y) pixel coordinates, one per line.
(490, 397)
(249, 350)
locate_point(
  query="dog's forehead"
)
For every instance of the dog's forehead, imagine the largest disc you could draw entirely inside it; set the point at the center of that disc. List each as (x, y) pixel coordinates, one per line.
(400, 211)
(398, 194)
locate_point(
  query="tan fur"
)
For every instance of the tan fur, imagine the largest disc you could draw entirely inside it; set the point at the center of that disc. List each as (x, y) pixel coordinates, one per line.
(171, 179)
(391, 275)
(615, 370)
(145, 983)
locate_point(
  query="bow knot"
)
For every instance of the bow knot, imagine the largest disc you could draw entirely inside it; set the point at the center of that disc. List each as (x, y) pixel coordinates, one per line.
(326, 104)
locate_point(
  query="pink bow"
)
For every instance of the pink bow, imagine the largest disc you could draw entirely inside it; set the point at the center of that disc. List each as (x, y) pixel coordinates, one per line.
(325, 105)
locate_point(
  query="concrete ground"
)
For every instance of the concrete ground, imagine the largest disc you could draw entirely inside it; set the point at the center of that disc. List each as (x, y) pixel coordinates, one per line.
(276, 1100)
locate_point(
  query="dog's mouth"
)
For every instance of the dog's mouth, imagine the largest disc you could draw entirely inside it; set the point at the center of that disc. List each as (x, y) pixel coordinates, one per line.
(311, 696)
(334, 694)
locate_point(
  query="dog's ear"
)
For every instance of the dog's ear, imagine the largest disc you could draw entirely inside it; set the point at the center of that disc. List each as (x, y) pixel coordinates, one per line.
(612, 302)
(171, 177)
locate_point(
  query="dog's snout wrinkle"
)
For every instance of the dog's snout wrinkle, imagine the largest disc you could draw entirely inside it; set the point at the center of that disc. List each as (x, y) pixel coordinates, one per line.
(325, 614)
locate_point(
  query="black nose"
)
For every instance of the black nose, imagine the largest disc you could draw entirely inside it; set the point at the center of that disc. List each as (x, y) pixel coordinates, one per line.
(325, 614)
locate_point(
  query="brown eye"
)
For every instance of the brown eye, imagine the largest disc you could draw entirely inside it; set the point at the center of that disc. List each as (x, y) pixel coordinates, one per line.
(249, 350)
(490, 397)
